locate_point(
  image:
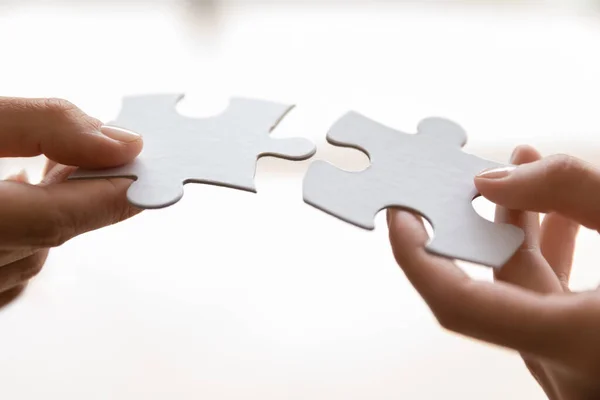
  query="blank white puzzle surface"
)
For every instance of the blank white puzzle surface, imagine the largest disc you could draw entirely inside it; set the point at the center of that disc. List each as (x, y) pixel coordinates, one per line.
(220, 150)
(426, 172)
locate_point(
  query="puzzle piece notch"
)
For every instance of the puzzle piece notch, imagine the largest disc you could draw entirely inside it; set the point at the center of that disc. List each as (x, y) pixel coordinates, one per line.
(426, 172)
(220, 150)
(354, 130)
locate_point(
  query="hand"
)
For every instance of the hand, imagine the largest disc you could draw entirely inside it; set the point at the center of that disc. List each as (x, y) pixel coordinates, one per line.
(34, 218)
(529, 307)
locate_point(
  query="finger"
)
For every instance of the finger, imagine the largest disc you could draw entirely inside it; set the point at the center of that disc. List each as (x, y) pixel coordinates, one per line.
(10, 256)
(58, 174)
(10, 295)
(50, 164)
(539, 373)
(19, 272)
(527, 268)
(63, 133)
(558, 239)
(559, 184)
(528, 221)
(20, 177)
(497, 313)
(48, 216)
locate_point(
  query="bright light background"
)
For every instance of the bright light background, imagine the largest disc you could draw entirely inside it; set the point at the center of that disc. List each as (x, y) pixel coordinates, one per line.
(230, 294)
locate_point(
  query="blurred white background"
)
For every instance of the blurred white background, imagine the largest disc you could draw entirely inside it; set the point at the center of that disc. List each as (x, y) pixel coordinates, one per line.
(259, 296)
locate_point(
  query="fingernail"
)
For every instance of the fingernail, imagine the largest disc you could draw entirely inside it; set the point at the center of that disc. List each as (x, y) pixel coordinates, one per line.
(119, 134)
(497, 173)
(21, 177)
(514, 155)
(58, 173)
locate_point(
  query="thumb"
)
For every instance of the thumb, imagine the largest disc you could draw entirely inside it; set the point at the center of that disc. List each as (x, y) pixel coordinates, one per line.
(63, 133)
(559, 183)
(48, 215)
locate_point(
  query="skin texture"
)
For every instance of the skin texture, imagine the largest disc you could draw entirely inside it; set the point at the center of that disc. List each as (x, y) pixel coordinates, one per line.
(529, 307)
(35, 218)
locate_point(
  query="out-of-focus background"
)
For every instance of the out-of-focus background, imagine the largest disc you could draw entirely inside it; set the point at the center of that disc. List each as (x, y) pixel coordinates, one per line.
(259, 296)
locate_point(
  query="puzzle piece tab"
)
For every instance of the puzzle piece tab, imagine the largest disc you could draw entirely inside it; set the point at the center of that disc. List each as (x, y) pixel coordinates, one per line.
(426, 172)
(221, 150)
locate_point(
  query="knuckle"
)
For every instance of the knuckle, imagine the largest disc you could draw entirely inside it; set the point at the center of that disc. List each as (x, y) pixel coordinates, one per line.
(67, 112)
(564, 169)
(19, 272)
(59, 107)
(525, 254)
(54, 236)
(67, 116)
(448, 319)
(34, 265)
(453, 308)
(53, 106)
(447, 316)
(568, 175)
(55, 231)
(563, 278)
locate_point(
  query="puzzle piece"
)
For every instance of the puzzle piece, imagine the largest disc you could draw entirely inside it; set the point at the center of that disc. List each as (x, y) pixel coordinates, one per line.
(425, 172)
(221, 150)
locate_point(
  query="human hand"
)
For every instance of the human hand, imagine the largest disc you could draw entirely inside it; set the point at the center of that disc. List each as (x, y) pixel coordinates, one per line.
(34, 218)
(529, 308)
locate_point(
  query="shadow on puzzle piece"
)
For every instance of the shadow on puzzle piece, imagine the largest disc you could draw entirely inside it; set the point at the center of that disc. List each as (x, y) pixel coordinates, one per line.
(221, 150)
(426, 172)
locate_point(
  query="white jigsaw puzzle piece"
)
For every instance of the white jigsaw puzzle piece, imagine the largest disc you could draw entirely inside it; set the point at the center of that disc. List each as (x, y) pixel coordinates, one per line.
(220, 150)
(426, 172)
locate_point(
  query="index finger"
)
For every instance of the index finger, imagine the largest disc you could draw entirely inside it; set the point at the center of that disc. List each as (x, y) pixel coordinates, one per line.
(63, 133)
(559, 183)
(497, 313)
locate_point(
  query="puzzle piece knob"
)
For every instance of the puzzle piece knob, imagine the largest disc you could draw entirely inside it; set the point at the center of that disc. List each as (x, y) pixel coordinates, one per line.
(443, 130)
(155, 194)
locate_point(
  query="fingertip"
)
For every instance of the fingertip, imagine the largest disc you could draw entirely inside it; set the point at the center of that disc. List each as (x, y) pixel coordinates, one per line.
(498, 191)
(109, 153)
(488, 182)
(407, 229)
(94, 147)
(134, 148)
(524, 154)
(58, 173)
(119, 134)
(21, 177)
(50, 164)
(130, 143)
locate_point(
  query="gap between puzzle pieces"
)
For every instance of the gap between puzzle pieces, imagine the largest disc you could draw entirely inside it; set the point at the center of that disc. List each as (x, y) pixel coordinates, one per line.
(425, 172)
(220, 150)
